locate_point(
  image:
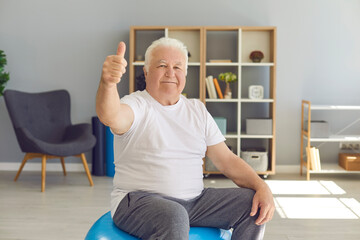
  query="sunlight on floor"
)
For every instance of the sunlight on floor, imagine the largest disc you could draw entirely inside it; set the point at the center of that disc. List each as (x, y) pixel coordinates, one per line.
(314, 206)
(352, 204)
(304, 187)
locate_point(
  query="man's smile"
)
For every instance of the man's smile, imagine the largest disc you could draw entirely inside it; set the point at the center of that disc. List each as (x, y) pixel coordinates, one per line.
(169, 82)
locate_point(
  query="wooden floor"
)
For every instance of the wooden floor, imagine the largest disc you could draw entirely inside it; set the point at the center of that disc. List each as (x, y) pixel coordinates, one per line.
(69, 206)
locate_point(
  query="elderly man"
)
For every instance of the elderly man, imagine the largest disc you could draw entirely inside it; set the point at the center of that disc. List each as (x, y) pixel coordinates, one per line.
(160, 138)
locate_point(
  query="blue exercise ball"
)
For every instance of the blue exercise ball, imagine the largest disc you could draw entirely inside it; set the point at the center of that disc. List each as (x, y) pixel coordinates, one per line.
(105, 229)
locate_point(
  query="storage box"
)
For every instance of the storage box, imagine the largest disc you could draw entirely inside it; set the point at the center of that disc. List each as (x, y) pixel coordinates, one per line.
(221, 122)
(259, 126)
(257, 160)
(318, 129)
(350, 161)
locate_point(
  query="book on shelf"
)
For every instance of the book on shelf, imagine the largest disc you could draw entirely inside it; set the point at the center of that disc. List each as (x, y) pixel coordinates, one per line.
(211, 87)
(208, 87)
(218, 89)
(313, 156)
(317, 159)
(308, 157)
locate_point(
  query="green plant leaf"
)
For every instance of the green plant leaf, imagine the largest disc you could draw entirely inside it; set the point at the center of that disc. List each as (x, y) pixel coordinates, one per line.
(4, 76)
(227, 77)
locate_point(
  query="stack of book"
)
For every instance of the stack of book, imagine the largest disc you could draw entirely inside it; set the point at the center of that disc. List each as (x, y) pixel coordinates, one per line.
(213, 88)
(313, 157)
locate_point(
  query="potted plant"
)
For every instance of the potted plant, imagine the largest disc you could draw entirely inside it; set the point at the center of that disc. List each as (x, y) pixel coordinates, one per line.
(228, 77)
(4, 76)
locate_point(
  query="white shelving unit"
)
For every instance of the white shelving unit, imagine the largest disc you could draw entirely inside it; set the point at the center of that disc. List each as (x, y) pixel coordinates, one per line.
(306, 109)
(243, 40)
(236, 45)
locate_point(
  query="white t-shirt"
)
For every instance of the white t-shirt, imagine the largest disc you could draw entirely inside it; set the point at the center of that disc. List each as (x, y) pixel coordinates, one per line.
(162, 151)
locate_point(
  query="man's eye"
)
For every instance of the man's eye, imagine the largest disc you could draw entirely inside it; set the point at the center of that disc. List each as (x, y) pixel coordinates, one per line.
(162, 66)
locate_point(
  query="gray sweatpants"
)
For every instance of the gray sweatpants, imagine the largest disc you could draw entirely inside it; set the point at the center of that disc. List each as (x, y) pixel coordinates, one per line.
(156, 217)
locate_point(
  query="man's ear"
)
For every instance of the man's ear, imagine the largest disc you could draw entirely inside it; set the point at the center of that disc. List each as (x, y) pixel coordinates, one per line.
(145, 72)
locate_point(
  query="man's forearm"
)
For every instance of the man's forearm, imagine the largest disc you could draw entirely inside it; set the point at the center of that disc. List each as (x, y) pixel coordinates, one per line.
(108, 107)
(244, 176)
(107, 103)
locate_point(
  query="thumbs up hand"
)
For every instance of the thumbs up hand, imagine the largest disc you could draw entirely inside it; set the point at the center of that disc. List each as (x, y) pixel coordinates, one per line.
(114, 66)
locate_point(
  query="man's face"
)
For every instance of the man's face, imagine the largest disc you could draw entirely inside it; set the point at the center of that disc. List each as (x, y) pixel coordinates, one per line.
(165, 79)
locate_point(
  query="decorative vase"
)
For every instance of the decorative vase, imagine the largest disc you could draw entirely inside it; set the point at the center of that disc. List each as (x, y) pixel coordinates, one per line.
(228, 93)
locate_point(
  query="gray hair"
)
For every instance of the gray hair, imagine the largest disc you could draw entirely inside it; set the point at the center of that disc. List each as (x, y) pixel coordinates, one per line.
(167, 42)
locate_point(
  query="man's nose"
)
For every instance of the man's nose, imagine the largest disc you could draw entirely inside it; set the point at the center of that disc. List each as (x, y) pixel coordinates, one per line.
(170, 72)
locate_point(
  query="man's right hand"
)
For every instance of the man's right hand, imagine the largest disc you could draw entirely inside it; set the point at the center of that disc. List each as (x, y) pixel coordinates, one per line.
(114, 66)
(110, 111)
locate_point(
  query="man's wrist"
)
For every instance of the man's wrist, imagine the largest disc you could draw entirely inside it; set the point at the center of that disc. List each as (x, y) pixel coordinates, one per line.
(106, 84)
(260, 185)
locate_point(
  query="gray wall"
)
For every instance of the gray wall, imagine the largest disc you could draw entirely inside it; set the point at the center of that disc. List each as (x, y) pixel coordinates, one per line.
(62, 44)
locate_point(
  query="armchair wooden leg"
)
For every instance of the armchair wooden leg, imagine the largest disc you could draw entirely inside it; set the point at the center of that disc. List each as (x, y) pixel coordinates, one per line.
(43, 172)
(83, 159)
(26, 157)
(63, 165)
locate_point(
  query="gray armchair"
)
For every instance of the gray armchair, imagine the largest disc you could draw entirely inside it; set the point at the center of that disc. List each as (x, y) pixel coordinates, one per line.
(43, 128)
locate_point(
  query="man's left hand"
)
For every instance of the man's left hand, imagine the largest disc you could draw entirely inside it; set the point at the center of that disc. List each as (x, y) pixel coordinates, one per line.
(263, 199)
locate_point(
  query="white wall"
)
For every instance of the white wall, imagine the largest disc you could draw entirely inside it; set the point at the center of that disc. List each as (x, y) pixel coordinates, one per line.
(62, 44)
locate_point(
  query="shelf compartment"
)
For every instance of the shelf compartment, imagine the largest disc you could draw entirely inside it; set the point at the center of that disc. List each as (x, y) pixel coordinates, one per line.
(248, 111)
(138, 71)
(230, 113)
(143, 39)
(227, 39)
(260, 40)
(263, 144)
(255, 76)
(215, 71)
(191, 39)
(192, 82)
